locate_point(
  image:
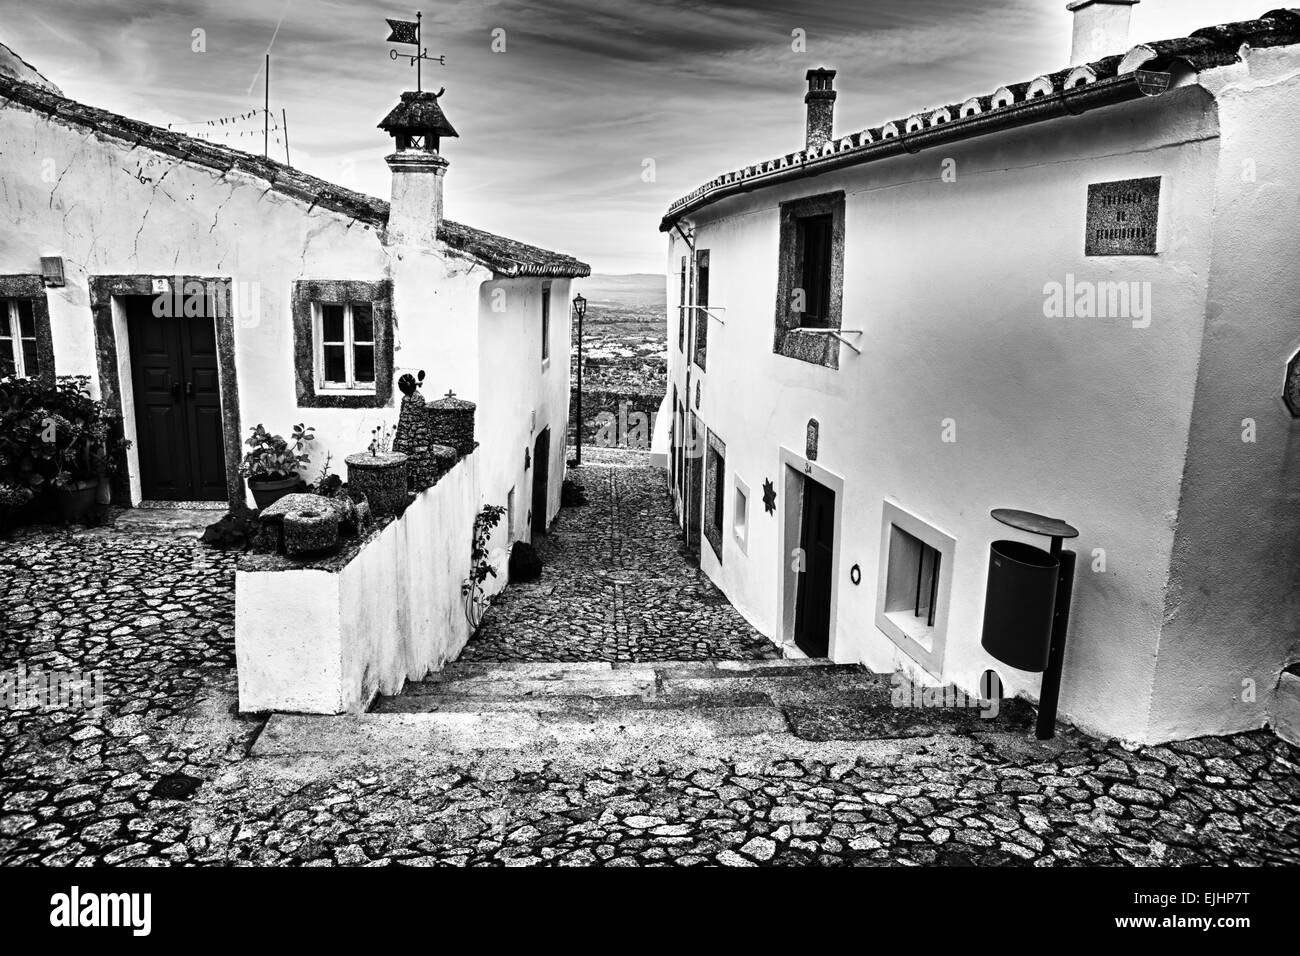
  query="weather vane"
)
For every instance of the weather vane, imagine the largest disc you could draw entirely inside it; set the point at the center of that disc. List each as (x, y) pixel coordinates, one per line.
(406, 31)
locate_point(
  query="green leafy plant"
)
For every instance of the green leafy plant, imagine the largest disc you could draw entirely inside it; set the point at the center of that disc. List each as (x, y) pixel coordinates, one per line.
(53, 434)
(480, 569)
(274, 458)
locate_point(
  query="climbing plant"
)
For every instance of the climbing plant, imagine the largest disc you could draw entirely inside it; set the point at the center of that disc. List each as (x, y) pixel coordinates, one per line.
(481, 569)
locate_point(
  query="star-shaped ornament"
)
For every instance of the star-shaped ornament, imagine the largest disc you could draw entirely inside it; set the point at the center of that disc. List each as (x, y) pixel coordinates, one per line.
(769, 496)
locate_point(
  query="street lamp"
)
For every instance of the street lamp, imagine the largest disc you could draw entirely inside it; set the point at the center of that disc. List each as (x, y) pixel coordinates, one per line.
(579, 307)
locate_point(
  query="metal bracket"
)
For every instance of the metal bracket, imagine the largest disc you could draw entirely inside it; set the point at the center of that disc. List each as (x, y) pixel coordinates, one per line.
(837, 334)
(706, 309)
(689, 240)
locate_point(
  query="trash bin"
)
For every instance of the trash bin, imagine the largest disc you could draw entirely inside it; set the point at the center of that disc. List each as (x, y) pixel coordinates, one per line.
(1019, 604)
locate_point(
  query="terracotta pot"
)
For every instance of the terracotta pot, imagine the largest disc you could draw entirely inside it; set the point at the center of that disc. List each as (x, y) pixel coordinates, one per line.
(77, 500)
(269, 492)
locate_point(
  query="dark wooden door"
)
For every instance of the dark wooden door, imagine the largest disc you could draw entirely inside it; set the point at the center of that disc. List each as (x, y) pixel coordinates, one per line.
(177, 404)
(812, 616)
(693, 507)
(541, 479)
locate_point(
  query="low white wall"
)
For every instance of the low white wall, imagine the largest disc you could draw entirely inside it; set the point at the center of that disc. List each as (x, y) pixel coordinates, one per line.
(326, 642)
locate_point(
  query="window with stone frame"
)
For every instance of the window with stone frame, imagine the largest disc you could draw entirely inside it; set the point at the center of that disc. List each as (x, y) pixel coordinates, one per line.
(546, 323)
(26, 348)
(700, 312)
(715, 491)
(681, 309)
(810, 279)
(343, 343)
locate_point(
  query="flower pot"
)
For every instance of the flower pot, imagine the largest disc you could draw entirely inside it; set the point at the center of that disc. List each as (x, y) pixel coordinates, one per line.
(77, 500)
(269, 492)
(381, 478)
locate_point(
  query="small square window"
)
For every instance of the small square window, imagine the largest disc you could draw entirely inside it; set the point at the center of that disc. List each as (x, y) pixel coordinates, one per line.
(915, 580)
(740, 515)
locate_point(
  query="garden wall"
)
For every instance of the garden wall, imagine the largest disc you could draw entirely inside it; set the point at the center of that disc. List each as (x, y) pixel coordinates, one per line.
(326, 637)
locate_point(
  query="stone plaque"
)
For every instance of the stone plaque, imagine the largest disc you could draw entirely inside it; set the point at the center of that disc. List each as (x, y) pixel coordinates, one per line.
(814, 434)
(1123, 217)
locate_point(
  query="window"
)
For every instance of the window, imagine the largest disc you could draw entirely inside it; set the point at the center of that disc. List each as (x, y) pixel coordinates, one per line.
(18, 344)
(700, 313)
(914, 584)
(343, 343)
(810, 279)
(715, 471)
(814, 267)
(681, 310)
(740, 515)
(546, 323)
(674, 431)
(345, 357)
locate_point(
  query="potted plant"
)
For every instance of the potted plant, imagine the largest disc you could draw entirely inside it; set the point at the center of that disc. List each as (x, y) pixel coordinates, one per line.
(380, 474)
(272, 463)
(55, 436)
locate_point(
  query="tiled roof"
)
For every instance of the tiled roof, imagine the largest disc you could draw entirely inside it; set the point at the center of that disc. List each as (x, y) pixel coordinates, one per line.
(504, 256)
(1110, 80)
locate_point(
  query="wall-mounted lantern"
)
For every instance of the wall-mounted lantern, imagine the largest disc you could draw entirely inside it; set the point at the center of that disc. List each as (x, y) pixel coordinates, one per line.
(1027, 606)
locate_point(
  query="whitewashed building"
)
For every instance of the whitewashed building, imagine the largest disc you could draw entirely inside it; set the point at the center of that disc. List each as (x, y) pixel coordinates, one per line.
(285, 298)
(1076, 296)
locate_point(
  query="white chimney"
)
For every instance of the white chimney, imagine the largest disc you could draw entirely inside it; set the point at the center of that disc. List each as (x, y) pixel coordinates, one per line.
(1101, 28)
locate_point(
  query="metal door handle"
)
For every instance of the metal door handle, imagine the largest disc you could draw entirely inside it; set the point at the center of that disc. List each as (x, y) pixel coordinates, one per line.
(175, 389)
(189, 389)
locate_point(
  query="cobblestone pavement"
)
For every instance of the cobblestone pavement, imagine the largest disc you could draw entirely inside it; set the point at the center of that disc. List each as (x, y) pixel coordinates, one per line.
(617, 585)
(155, 612)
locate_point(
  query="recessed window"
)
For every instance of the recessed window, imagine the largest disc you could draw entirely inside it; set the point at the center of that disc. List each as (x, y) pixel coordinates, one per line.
(810, 279)
(700, 313)
(343, 343)
(18, 346)
(740, 515)
(915, 580)
(546, 323)
(681, 310)
(814, 251)
(345, 352)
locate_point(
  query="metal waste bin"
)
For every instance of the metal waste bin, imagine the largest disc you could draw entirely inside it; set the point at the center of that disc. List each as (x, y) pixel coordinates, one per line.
(1019, 604)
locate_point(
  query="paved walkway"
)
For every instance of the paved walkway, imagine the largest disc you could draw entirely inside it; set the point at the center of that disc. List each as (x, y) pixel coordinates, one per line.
(154, 612)
(617, 586)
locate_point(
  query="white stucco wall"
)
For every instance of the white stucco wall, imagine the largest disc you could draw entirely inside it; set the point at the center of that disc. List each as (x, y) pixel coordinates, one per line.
(1082, 419)
(1233, 608)
(326, 642)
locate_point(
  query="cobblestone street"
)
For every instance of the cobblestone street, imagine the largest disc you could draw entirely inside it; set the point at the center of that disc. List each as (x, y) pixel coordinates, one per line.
(154, 611)
(616, 586)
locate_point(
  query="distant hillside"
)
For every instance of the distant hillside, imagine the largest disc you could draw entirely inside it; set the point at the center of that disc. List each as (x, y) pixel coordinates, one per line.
(639, 291)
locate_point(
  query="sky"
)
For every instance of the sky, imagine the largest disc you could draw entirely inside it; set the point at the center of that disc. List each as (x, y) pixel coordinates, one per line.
(587, 119)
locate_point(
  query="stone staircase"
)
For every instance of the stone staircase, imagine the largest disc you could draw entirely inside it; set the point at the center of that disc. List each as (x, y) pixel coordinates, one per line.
(585, 712)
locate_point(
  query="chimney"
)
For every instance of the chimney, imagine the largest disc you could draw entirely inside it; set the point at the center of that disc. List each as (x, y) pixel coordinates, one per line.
(1101, 28)
(417, 126)
(821, 107)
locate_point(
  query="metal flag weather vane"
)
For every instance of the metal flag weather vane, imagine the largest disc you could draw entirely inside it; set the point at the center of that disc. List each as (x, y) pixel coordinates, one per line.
(406, 31)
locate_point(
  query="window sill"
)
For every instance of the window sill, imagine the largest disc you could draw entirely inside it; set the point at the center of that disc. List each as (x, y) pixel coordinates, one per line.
(913, 628)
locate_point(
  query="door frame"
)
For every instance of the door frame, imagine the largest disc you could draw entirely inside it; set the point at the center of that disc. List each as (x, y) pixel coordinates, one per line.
(794, 467)
(541, 469)
(113, 360)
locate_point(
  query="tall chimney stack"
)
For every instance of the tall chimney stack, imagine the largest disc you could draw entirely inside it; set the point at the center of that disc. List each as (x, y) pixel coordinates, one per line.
(821, 107)
(1101, 28)
(417, 126)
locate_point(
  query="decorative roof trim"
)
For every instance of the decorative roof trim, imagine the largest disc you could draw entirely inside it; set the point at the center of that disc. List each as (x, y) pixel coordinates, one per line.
(1070, 92)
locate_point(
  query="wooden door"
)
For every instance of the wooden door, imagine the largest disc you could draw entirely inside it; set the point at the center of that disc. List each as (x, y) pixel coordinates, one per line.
(174, 371)
(812, 619)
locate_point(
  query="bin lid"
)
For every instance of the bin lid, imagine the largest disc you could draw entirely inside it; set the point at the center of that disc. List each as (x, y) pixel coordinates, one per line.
(1035, 524)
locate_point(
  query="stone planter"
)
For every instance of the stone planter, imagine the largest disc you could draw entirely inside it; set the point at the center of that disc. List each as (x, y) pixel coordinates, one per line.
(267, 493)
(444, 457)
(451, 422)
(77, 500)
(381, 478)
(310, 531)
